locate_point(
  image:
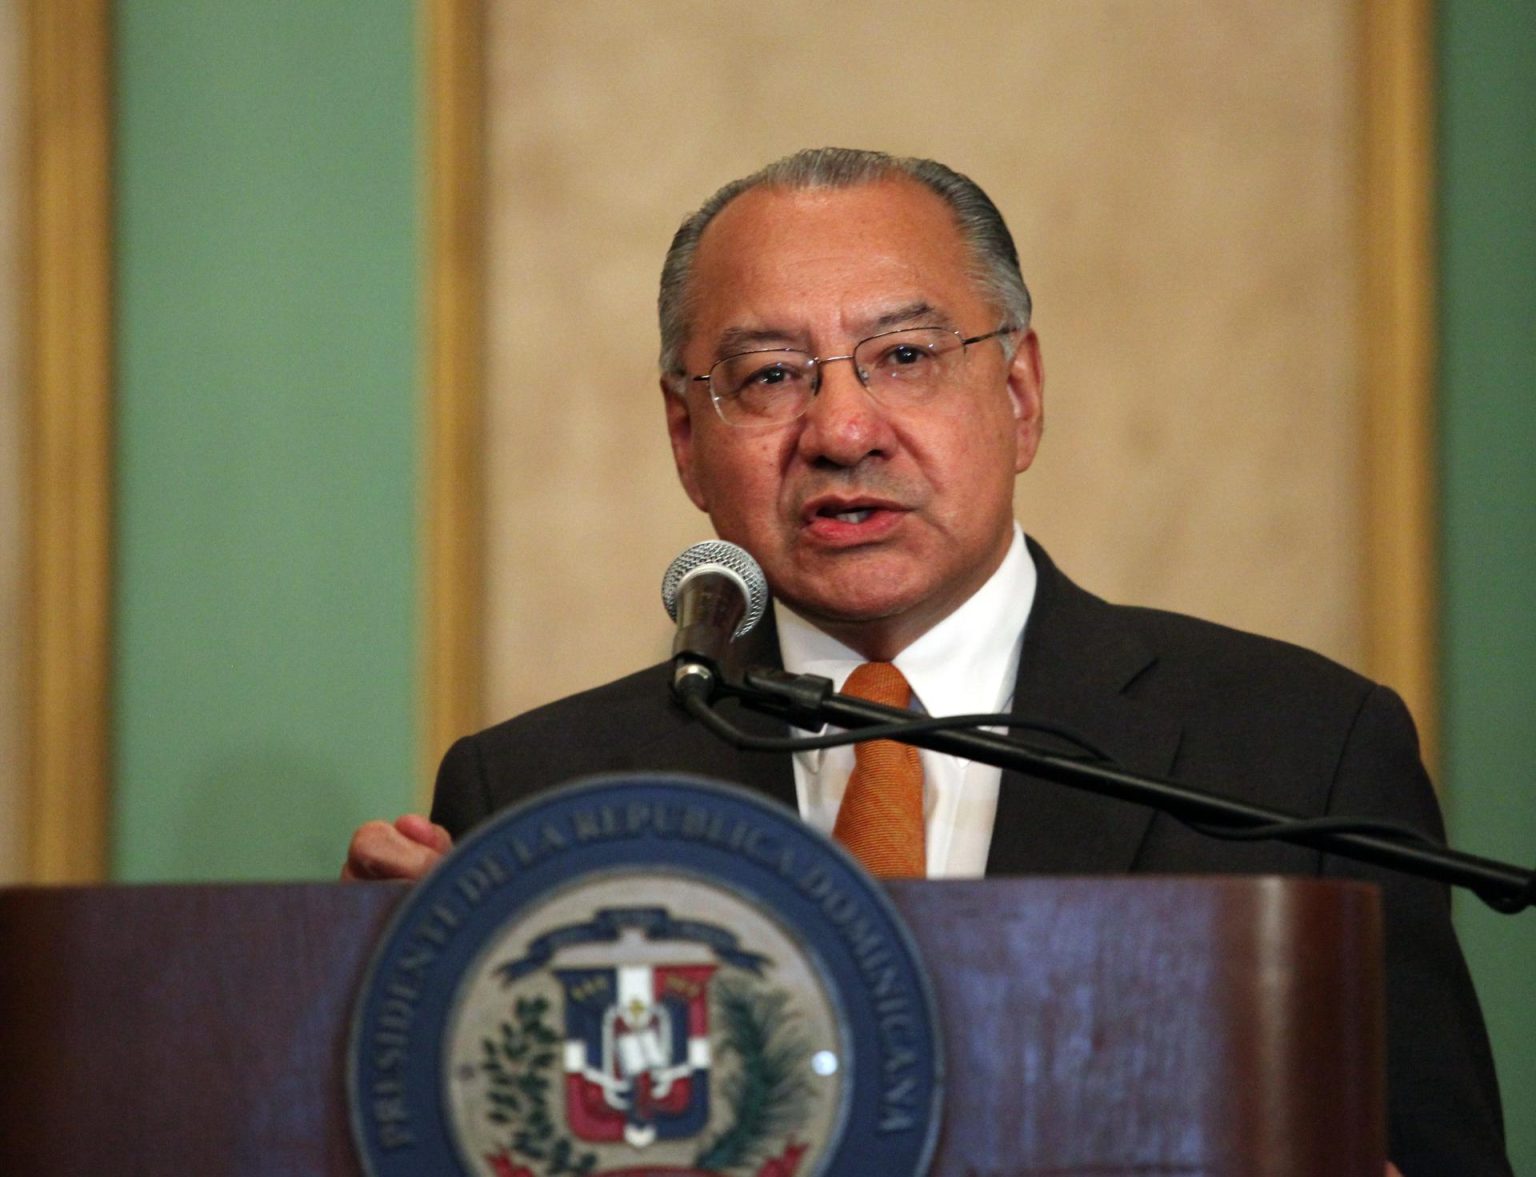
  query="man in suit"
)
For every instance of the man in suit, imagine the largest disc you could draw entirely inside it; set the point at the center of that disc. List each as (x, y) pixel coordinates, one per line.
(851, 386)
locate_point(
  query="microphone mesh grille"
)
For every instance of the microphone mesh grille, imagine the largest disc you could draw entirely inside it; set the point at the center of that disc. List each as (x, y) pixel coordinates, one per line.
(727, 556)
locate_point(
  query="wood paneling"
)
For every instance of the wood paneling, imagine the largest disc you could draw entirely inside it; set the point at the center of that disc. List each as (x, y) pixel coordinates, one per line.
(67, 341)
(455, 590)
(12, 799)
(1397, 352)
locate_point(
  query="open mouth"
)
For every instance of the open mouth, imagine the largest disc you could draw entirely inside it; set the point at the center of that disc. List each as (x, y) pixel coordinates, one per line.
(839, 521)
(847, 509)
(857, 515)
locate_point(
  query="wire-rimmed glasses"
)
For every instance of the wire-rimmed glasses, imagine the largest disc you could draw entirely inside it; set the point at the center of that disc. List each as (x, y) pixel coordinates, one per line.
(898, 368)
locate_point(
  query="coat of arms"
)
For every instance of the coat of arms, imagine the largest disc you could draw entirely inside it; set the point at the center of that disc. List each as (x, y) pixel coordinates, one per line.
(607, 1067)
(645, 977)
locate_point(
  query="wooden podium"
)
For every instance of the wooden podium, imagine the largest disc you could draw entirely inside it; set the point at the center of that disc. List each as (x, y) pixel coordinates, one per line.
(1092, 1026)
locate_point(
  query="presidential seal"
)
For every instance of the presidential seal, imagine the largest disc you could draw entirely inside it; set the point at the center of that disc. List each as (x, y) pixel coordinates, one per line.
(646, 976)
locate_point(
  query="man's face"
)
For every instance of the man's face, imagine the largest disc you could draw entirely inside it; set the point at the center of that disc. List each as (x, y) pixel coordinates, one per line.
(873, 523)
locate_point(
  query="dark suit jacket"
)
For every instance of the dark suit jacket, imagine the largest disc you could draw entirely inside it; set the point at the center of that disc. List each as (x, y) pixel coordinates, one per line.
(1163, 695)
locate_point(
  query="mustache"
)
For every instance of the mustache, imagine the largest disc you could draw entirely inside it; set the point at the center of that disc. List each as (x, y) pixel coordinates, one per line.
(864, 478)
(853, 484)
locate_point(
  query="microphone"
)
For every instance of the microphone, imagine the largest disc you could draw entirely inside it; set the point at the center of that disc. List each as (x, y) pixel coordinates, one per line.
(715, 592)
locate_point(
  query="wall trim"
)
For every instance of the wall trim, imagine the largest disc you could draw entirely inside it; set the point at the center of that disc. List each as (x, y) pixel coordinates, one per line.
(66, 341)
(1396, 380)
(1398, 325)
(453, 577)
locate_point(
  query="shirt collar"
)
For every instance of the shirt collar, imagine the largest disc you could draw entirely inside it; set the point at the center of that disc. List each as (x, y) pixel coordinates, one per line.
(966, 663)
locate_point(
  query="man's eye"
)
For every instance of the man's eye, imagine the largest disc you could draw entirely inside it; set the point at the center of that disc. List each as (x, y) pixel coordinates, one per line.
(768, 376)
(903, 355)
(773, 374)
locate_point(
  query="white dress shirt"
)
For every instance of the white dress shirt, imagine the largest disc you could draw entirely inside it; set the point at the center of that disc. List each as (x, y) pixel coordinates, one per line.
(965, 664)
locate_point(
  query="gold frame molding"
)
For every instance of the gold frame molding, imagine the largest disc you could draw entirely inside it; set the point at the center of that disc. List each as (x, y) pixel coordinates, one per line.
(1397, 356)
(1396, 350)
(66, 340)
(453, 579)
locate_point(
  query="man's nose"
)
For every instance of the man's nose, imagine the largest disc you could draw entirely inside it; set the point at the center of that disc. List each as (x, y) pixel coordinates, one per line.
(843, 424)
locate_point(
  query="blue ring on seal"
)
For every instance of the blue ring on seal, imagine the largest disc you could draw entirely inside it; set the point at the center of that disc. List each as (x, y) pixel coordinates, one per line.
(669, 821)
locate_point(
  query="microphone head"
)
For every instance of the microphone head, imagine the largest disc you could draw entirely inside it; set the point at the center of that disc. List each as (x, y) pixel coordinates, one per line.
(716, 555)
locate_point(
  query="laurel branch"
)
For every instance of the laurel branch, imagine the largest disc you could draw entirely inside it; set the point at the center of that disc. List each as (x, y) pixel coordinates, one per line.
(517, 1064)
(769, 1092)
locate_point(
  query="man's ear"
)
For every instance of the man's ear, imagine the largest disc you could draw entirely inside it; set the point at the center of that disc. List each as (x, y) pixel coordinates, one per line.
(1026, 389)
(680, 433)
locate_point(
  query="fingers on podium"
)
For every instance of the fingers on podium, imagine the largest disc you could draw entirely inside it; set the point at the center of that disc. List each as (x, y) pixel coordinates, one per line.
(407, 848)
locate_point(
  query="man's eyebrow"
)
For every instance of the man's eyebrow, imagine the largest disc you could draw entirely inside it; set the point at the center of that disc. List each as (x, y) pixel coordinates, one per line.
(734, 340)
(921, 313)
(739, 339)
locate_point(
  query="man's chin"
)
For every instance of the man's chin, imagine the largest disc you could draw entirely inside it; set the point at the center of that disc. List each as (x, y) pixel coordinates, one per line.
(877, 632)
(852, 605)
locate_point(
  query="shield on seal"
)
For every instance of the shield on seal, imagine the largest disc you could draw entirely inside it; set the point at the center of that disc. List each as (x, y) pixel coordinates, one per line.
(636, 1052)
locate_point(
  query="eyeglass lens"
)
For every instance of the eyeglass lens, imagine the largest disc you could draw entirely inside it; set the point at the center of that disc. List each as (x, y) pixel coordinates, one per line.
(897, 367)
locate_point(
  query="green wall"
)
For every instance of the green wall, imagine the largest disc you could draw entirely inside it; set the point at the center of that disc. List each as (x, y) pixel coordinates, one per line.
(268, 276)
(1488, 431)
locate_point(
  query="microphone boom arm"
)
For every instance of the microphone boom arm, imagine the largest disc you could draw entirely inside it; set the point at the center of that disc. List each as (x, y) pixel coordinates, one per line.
(808, 701)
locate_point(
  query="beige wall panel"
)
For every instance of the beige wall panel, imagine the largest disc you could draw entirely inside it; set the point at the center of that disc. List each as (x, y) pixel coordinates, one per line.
(1180, 180)
(11, 816)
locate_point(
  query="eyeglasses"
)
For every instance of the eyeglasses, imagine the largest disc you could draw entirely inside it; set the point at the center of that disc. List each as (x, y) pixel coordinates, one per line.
(898, 368)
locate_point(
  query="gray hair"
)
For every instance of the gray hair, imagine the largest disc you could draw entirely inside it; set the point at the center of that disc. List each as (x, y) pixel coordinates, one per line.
(994, 260)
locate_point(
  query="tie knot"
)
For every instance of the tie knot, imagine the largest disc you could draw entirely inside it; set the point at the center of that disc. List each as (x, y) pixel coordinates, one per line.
(879, 682)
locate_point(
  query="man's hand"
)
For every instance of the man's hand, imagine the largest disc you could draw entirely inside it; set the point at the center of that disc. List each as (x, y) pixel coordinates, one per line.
(408, 849)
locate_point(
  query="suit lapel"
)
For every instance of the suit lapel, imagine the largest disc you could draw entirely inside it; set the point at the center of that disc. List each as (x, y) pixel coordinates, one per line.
(1080, 656)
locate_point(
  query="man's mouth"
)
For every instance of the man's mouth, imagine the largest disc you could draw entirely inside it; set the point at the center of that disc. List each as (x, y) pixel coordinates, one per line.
(845, 508)
(845, 520)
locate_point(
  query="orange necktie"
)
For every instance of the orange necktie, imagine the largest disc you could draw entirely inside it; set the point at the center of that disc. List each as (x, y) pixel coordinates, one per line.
(881, 818)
